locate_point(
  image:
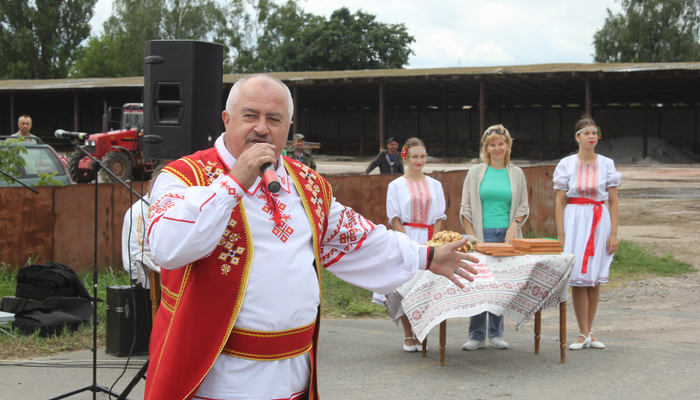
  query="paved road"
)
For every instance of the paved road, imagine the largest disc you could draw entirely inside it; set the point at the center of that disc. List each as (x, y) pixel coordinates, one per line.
(362, 359)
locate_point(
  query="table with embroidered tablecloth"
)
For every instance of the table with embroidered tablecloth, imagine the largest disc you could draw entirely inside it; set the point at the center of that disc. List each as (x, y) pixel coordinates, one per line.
(515, 286)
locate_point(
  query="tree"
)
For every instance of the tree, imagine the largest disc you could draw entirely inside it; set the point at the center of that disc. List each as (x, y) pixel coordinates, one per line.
(40, 39)
(650, 31)
(296, 41)
(119, 51)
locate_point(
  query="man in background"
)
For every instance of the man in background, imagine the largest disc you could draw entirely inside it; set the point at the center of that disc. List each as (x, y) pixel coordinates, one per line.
(299, 154)
(25, 126)
(388, 161)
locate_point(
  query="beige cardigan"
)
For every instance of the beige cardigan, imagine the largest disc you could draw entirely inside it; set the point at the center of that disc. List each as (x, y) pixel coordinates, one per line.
(471, 201)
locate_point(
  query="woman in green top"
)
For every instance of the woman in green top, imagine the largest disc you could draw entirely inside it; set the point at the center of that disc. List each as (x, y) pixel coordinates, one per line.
(494, 206)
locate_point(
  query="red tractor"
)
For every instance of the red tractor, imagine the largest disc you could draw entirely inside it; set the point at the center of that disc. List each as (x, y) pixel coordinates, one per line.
(117, 150)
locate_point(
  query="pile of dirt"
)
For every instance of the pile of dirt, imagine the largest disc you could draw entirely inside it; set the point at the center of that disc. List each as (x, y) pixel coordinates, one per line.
(628, 150)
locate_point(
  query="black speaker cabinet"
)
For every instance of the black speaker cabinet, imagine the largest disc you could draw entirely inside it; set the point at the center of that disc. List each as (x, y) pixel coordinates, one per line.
(182, 96)
(127, 316)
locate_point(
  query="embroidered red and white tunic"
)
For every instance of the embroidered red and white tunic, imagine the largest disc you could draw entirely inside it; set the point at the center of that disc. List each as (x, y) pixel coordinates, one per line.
(203, 234)
(587, 181)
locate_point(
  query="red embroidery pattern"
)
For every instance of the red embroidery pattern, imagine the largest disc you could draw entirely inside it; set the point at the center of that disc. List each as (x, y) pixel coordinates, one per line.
(162, 205)
(230, 252)
(420, 201)
(352, 230)
(587, 180)
(283, 231)
(211, 171)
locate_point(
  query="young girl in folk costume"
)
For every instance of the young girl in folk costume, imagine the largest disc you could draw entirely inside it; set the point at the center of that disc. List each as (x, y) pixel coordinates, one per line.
(415, 205)
(586, 227)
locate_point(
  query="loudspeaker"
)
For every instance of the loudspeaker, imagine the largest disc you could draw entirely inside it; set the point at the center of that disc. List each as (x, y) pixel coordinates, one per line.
(128, 316)
(182, 96)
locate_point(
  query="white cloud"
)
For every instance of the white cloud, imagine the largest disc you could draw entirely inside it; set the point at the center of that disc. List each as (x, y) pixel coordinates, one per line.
(476, 32)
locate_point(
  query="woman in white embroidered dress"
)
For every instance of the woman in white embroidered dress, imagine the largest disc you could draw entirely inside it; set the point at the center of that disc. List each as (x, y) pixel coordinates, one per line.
(415, 205)
(586, 227)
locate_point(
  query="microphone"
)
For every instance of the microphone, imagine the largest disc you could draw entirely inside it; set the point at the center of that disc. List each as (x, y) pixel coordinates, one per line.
(61, 134)
(270, 178)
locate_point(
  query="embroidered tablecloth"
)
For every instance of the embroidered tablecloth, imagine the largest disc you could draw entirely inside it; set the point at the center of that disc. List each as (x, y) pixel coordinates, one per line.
(516, 287)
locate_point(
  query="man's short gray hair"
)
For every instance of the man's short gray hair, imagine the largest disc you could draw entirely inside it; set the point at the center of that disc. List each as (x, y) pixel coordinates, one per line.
(233, 94)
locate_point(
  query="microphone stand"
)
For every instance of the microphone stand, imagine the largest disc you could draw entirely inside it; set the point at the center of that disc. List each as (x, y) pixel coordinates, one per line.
(95, 388)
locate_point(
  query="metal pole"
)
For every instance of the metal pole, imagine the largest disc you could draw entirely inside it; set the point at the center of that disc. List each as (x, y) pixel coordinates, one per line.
(543, 114)
(482, 108)
(362, 120)
(12, 113)
(589, 99)
(295, 99)
(447, 122)
(105, 117)
(76, 112)
(382, 123)
(645, 121)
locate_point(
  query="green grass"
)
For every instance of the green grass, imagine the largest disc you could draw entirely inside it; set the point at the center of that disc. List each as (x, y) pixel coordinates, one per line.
(343, 299)
(634, 262)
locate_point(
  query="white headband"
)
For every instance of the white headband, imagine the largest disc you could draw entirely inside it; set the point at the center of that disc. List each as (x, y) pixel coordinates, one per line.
(588, 128)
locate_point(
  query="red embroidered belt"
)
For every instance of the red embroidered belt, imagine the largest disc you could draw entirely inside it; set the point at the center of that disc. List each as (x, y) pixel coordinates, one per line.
(269, 345)
(421, 226)
(597, 213)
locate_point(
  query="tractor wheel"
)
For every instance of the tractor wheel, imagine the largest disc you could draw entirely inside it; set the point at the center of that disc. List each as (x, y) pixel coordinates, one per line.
(78, 176)
(120, 165)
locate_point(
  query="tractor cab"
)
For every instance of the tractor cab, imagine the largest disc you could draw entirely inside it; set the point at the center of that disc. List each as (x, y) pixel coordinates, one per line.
(132, 116)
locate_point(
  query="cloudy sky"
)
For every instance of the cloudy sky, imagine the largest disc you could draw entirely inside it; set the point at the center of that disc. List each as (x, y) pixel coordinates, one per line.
(451, 33)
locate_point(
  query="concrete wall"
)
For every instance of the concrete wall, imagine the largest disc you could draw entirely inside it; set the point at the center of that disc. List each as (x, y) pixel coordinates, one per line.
(57, 224)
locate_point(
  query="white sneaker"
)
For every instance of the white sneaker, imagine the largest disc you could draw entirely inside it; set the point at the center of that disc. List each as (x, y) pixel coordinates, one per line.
(474, 345)
(499, 343)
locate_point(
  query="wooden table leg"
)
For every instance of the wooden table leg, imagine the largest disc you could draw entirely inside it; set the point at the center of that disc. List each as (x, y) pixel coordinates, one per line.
(443, 340)
(562, 330)
(538, 330)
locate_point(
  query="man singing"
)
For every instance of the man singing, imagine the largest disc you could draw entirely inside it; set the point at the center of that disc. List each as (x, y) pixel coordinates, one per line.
(239, 317)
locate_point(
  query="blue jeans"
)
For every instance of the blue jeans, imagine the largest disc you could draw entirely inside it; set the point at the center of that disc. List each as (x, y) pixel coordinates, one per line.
(477, 323)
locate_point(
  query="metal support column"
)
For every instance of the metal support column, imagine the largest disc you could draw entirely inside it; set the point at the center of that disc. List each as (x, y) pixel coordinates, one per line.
(482, 108)
(76, 111)
(382, 122)
(12, 113)
(589, 99)
(645, 120)
(295, 98)
(447, 122)
(543, 116)
(362, 120)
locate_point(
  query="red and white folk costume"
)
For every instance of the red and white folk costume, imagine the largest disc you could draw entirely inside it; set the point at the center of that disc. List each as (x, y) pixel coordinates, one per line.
(239, 315)
(586, 186)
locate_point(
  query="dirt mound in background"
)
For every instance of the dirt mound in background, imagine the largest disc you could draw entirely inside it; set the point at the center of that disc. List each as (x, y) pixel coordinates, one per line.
(628, 150)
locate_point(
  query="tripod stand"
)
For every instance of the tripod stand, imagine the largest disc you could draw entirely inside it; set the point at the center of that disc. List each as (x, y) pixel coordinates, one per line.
(94, 387)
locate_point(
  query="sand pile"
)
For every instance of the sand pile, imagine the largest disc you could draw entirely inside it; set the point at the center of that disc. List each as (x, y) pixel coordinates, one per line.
(628, 150)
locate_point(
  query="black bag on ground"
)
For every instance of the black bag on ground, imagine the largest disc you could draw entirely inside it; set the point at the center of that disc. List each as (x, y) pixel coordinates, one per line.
(56, 312)
(50, 323)
(41, 281)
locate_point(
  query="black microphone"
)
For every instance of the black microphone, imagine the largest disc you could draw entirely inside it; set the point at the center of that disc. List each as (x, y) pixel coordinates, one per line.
(61, 134)
(270, 178)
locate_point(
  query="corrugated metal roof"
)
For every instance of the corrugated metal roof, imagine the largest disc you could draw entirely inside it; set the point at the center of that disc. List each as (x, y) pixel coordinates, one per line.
(319, 76)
